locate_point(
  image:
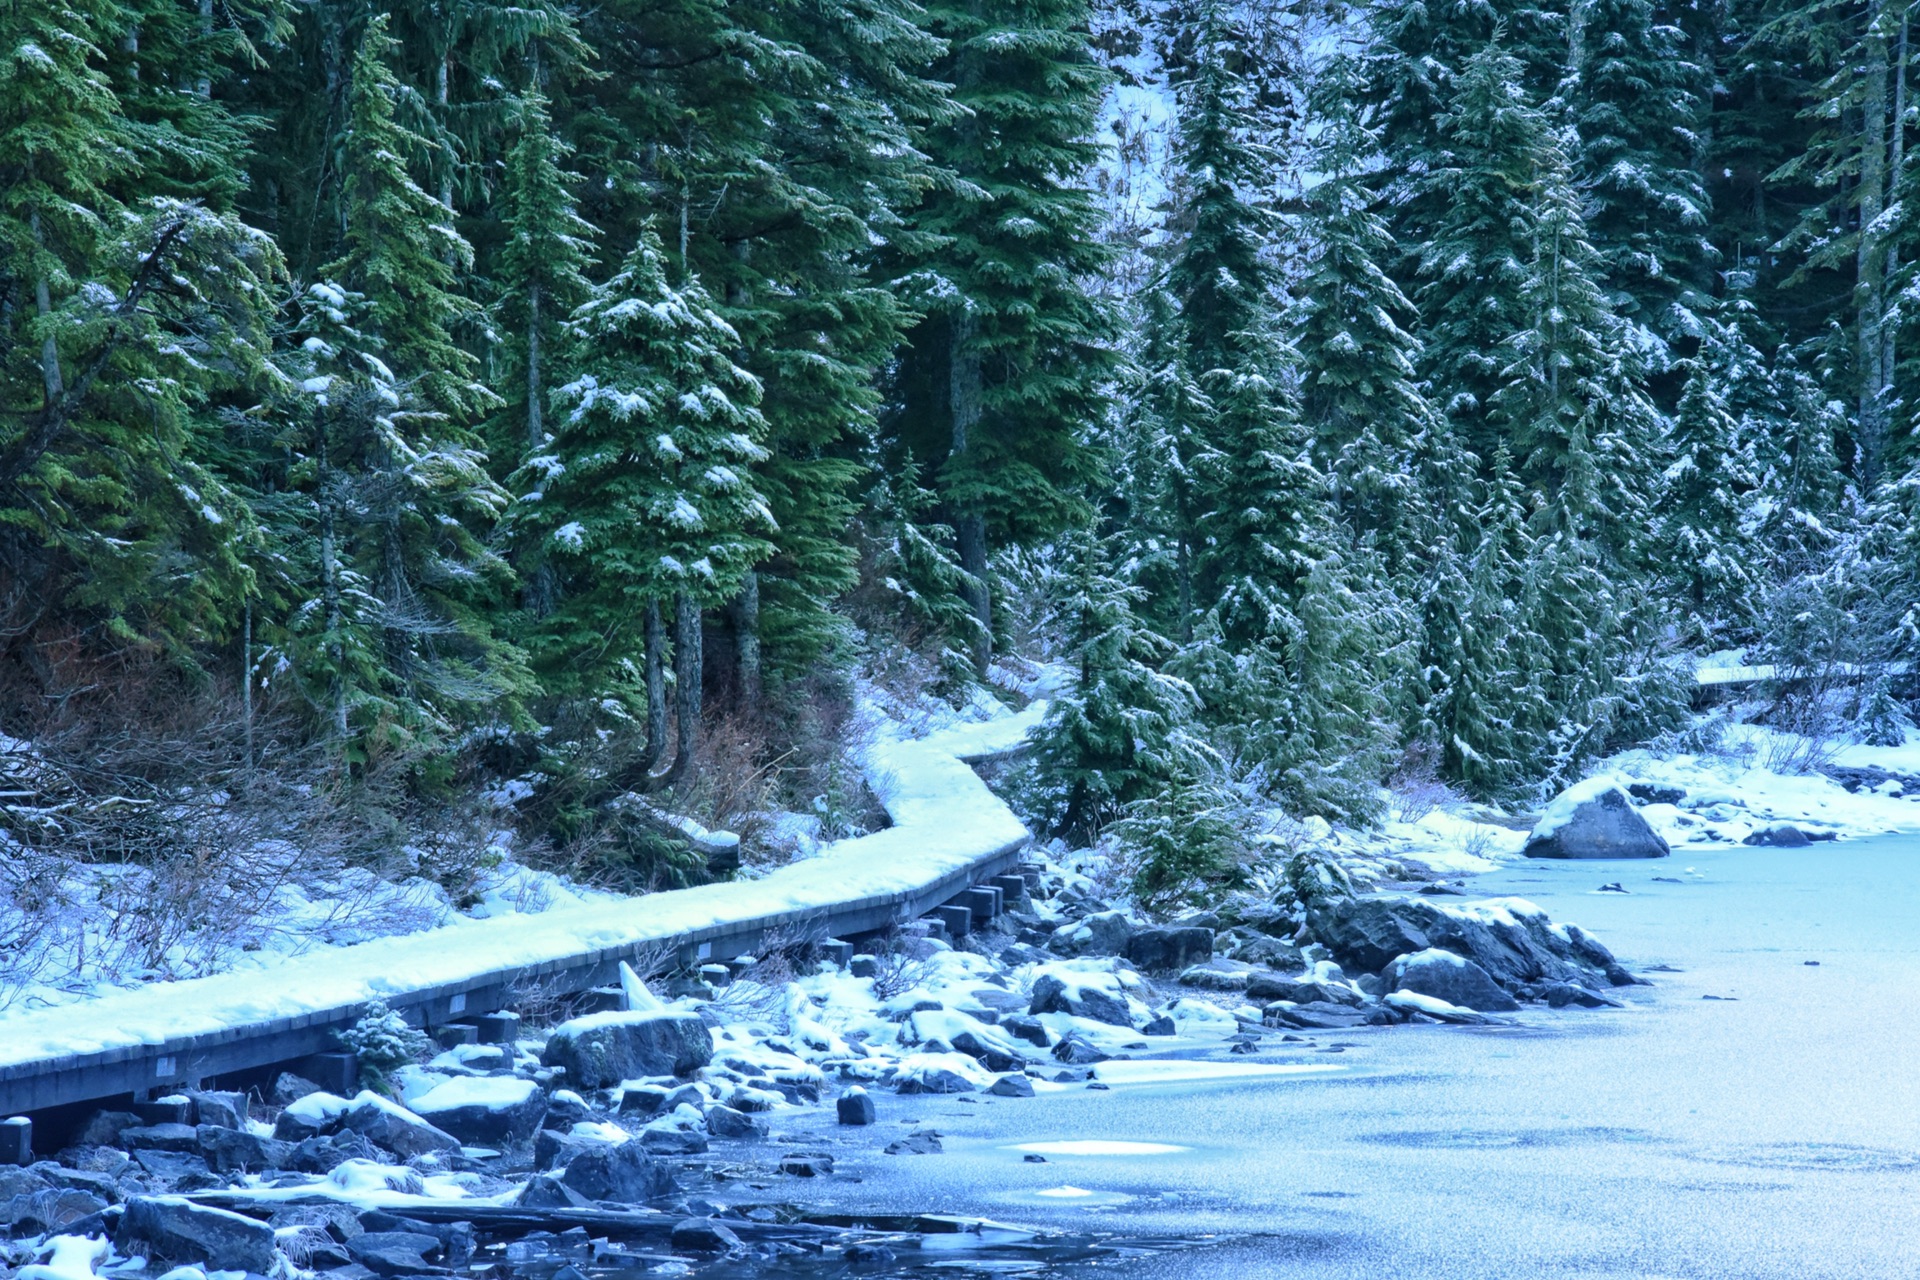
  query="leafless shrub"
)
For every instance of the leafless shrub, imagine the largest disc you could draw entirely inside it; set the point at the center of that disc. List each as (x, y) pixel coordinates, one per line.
(1415, 784)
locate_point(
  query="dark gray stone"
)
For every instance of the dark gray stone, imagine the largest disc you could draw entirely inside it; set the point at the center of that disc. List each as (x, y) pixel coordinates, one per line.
(394, 1253)
(49, 1210)
(393, 1127)
(703, 1235)
(725, 1122)
(1446, 976)
(1051, 995)
(643, 1100)
(855, 1107)
(183, 1232)
(1160, 950)
(161, 1137)
(1012, 1085)
(604, 1049)
(237, 1151)
(625, 1174)
(1278, 986)
(864, 966)
(1560, 995)
(1781, 835)
(671, 1140)
(1104, 933)
(807, 1164)
(1161, 1025)
(1603, 824)
(498, 1028)
(103, 1128)
(227, 1110)
(1654, 793)
(1312, 1017)
(1367, 934)
(545, 1191)
(491, 1126)
(1076, 1050)
(553, 1148)
(1026, 1028)
(172, 1109)
(990, 1057)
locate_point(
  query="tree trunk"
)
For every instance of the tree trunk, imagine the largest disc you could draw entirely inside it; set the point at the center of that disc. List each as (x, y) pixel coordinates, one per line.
(656, 662)
(330, 586)
(745, 612)
(50, 378)
(1896, 172)
(1870, 290)
(540, 583)
(686, 686)
(970, 526)
(246, 680)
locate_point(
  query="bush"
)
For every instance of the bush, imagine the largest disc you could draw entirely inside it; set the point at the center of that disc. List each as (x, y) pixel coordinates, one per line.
(383, 1041)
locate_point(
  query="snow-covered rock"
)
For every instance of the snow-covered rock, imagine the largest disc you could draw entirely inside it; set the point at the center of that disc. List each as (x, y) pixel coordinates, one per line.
(1446, 976)
(484, 1110)
(603, 1049)
(1594, 819)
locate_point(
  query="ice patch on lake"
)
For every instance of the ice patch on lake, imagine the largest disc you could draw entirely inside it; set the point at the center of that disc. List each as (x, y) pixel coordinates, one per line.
(1183, 1071)
(1097, 1147)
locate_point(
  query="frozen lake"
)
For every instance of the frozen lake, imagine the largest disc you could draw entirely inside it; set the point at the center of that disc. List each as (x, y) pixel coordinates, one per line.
(1773, 1132)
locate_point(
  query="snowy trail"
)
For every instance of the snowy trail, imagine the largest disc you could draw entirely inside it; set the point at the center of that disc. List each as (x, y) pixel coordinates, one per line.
(946, 825)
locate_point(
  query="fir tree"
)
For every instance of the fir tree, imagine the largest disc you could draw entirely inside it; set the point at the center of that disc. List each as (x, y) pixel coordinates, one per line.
(1703, 501)
(1360, 394)
(1637, 106)
(645, 496)
(920, 568)
(1120, 734)
(1007, 373)
(543, 274)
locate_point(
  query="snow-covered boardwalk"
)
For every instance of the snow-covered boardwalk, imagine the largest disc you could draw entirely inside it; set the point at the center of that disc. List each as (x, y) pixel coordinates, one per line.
(949, 832)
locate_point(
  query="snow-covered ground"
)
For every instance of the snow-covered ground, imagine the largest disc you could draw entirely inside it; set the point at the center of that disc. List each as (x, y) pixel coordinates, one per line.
(944, 820)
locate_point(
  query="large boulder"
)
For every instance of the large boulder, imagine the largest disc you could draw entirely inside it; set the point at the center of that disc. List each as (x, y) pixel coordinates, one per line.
(388, 1124)
(625, 1174)
(1511, 939)
(1105, 933)
(1178, 948)
(484, 1110)
(179, 1231)
(1052, 994)
(602, 1049)
(1446, 976)
(1594, 819)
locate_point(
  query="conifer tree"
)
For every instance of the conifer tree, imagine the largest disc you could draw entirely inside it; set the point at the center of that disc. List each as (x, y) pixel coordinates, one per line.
(1120, 733)
(1702, 504)
(1636, 104)
(921, 569)
(1007, 373)
(1360, 394)
(543, 276)
(645, 497)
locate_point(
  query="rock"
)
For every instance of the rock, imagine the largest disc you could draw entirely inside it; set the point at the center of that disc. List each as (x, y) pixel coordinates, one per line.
(725, 1122)
(1655, 793)
(602, 1049)
(1301, 990)
(662, 1138)
(807, 1164)
(1412, 1002)
(1513, 945)
(1027, 1028)
(703, 1235)
(184, 1171)
(311, 1115)
(227, 1110)
(1559, 995)
(623, 1174)
(1316, 1016)
(1076, 1050)
(1781, 835)
(553, 1148)
(393, 1253)
(864, 966)
(1162, 1025)
(940, 1073)
(237, 1151)
(1446, 976)
(544, 1191)
(643, 1100)
(1104, 933)
(390, 1125)
(485, 1110)
(103, 1128)
(1012, 1085)
(990, 1056)
(1160, 950)
(1052, 995)
(289, 1088)
(183, 1232)
(855, 1106)
(1594, 819)
(565, 1108)
(921, 1142)
(47, 1210)
(1216, 976)
(160, 1137)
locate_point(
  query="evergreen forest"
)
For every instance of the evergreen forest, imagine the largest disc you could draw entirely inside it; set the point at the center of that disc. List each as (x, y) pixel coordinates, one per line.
(412, 409)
